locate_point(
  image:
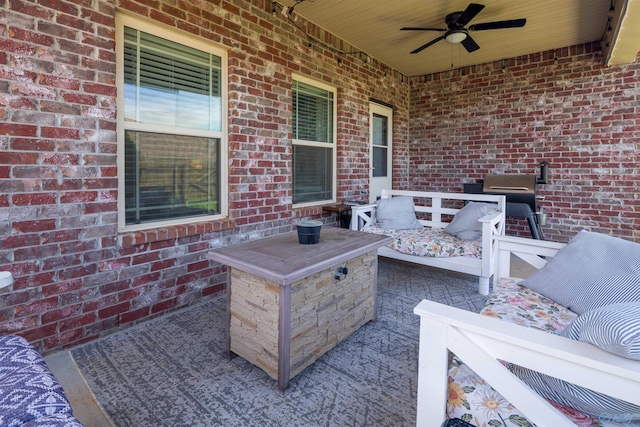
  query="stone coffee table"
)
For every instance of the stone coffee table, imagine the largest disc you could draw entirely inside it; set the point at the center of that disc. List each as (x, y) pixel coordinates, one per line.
(289, 303)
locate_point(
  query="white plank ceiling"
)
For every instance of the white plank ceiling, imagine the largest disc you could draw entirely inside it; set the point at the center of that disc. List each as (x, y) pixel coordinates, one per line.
(373, 26)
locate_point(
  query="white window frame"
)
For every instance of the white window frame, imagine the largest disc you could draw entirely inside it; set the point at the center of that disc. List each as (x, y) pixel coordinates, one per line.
(334, 133)
(123, 21)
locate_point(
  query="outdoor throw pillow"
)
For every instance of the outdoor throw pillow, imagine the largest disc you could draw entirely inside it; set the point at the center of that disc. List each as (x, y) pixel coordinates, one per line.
(397, 213)
(614, 328)
(591, 271)
(465, 224)
(581, 399)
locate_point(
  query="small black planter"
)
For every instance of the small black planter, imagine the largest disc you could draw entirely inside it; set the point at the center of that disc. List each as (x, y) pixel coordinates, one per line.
(309, 232)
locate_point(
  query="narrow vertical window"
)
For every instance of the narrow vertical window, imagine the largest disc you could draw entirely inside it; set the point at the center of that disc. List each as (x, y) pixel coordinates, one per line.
(381, 138)
(380, 148)
(313, 142)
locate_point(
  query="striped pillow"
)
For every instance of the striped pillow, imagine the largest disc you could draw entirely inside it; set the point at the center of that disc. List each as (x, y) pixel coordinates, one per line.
(614, 328)
(581, 399)
(591, 271)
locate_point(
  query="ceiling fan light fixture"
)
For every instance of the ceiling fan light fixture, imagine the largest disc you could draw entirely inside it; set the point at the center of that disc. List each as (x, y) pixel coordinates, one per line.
(456, 36)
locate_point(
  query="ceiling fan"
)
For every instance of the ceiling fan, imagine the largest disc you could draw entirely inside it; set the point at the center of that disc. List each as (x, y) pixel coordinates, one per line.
(457, 33)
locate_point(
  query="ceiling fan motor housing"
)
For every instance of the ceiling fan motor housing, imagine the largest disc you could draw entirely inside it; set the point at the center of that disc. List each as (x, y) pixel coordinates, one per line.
(452, 21)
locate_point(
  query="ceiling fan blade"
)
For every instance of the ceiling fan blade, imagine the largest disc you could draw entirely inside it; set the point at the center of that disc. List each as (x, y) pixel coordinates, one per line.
(470, 44)
(469, 13)
(513, 23)
(421, 29)
(424, 46)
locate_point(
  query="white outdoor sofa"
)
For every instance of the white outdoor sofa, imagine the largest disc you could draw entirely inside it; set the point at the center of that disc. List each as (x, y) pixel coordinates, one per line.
(435, 210)
(481, 342)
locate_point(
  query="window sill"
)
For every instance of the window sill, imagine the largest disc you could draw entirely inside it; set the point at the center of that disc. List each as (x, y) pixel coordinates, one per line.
(134, 238)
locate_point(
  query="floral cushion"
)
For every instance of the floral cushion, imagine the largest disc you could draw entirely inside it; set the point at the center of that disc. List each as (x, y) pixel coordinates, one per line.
(427, 241)
(474, 400)
(514, 303)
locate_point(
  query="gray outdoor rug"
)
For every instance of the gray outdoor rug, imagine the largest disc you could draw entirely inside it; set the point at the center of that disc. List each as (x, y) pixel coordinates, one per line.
(172, 371)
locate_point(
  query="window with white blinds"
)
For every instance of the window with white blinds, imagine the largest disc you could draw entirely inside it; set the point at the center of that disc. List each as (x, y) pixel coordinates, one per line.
(170, 84)
(313, 142)
(172, 117)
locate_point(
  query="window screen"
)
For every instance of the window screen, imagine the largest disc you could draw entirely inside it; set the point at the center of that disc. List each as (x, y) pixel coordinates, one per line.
(170, 176)
(313, 174)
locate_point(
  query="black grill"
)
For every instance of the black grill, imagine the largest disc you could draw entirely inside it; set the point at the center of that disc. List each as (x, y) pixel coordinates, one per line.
(517, 188)
(520, 192)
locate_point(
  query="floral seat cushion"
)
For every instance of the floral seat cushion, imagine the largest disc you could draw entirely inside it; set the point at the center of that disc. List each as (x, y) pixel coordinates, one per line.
(474, 400)
(514, 303)
(430, 242)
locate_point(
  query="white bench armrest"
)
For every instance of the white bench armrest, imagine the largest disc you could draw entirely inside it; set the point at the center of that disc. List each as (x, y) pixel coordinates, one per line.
(492, 218)
(363, 216)
(480, 340)
(533, 252)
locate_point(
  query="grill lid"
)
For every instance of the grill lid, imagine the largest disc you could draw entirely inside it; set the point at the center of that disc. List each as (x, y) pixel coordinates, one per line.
(511, 184)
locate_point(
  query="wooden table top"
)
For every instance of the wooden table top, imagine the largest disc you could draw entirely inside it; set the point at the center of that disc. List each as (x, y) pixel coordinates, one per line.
(337, 207)
(282, 259)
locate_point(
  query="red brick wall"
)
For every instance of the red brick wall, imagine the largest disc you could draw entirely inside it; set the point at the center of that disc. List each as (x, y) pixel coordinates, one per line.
(561, 106)
(76, 278)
